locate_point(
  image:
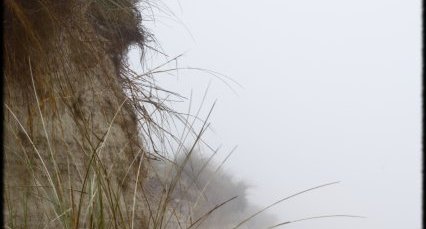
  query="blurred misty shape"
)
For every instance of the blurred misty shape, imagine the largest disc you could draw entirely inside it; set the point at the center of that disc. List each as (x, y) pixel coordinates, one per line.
(201, 188)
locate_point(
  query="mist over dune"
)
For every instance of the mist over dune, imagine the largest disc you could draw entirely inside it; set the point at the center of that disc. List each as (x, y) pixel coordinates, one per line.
(204, 187)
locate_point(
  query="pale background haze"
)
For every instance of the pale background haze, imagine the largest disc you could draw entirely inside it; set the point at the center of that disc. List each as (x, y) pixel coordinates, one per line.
(331, 91)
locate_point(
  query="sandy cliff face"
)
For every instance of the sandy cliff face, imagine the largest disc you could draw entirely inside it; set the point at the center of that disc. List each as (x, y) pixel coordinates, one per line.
(70, 131)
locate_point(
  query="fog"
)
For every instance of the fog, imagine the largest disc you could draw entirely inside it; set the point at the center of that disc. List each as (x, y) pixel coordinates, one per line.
(326, 91)
(206, 194)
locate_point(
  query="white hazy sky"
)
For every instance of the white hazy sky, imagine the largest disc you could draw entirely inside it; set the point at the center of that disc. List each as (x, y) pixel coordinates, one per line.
(331, 92)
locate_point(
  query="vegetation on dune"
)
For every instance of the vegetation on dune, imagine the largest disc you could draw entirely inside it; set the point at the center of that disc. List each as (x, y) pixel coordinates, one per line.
(83, 132)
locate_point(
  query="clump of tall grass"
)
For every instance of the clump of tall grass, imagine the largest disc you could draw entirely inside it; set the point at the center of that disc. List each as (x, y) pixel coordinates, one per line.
(177, 194)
